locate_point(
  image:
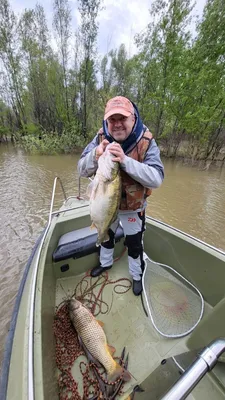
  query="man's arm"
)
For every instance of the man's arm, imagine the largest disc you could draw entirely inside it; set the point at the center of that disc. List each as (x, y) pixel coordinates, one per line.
(88, 164)
(150, 173)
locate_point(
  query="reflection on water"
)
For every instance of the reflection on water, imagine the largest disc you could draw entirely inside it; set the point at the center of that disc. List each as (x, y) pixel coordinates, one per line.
(189, 199)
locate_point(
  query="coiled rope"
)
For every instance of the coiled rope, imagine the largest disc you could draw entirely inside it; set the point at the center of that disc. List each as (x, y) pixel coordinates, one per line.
(90, 291)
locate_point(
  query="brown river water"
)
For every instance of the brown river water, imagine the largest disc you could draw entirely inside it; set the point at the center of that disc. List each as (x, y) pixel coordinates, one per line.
(190, 199)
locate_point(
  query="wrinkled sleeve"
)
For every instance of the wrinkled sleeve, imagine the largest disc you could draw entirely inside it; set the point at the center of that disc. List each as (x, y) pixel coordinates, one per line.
(150, 173)
(87, 165)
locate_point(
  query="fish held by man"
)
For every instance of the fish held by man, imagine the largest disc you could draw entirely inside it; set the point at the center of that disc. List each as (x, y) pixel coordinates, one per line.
(93, 337)
(105, 195)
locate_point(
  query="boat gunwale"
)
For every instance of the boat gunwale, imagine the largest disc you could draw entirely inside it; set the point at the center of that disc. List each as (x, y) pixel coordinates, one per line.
(41, 239)
(187, 235)
(11, 333)
(157, 221)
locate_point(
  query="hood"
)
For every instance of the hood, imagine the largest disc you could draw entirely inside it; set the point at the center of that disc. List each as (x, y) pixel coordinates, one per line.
(134, 136)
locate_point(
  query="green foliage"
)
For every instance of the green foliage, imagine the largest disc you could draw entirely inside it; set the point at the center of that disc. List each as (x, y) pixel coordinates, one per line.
(87, 75)
(30, 129)
(44, 143)
(53, 99)
(3, 132)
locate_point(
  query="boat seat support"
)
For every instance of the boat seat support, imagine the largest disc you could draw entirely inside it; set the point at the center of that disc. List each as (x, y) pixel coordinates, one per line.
(80, 243)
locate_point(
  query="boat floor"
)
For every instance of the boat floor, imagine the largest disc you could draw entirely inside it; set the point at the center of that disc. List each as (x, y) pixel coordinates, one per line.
(126, 325)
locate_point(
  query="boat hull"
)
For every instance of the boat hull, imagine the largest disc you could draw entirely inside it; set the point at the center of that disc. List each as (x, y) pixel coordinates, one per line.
(196, 261)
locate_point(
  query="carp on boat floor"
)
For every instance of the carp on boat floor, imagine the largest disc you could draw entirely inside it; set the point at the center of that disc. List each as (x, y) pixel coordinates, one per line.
(61, 256)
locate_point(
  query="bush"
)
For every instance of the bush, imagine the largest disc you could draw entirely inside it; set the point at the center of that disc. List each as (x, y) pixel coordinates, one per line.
(39, 142)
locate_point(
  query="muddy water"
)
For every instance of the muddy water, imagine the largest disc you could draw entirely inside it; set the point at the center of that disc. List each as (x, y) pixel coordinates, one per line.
(190, 199)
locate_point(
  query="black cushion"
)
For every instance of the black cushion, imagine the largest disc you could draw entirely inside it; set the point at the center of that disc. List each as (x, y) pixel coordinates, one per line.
(80, 243)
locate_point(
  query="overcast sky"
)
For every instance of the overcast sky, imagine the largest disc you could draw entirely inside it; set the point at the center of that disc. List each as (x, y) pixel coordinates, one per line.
(119, 21)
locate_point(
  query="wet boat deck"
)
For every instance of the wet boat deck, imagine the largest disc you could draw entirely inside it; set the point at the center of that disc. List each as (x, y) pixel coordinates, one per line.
(126, 324)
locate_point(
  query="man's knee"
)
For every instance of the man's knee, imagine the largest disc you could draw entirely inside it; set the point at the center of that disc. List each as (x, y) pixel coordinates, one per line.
(110, 243)
(134, 245)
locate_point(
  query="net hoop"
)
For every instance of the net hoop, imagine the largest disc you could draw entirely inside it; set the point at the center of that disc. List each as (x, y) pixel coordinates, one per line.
(148, 300)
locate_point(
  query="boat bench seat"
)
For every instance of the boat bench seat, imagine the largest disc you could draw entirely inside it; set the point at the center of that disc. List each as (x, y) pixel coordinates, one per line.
(80, 243)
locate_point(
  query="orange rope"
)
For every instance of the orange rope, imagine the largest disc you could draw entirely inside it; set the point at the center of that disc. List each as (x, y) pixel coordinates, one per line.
(84, 291)
(67, 344)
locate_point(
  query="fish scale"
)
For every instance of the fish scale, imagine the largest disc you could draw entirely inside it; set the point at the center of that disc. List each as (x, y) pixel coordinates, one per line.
(94, 338)
(105, 195)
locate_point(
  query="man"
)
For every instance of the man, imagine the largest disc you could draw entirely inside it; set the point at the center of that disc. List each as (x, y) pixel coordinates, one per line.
(141, 170)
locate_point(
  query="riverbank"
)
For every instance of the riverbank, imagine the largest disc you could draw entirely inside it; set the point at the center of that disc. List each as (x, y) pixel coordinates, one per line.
(194, 153)
(190, 152)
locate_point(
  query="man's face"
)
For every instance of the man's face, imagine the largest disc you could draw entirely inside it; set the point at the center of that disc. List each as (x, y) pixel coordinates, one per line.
(120, 127)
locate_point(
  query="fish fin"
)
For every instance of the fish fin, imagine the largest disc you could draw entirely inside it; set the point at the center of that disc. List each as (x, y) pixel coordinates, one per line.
(91, 189)
(111, 349)
(88, 354)
(138, 388)
(119, 372)
(106, 238)
(126, 376)
(100, 323)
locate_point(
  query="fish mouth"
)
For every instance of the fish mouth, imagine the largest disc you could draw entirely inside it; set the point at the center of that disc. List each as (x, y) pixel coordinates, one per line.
(74, 304)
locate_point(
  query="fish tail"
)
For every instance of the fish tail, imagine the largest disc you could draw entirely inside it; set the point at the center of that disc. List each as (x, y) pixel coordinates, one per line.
(119, 372)
(102, 239)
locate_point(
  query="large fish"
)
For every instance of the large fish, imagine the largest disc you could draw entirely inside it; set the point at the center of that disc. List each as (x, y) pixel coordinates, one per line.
(94, 339)
(105, 195)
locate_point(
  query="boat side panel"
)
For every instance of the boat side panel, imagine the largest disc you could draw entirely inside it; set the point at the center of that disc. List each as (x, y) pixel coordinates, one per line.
(17, 375)
(43, 323)
(210, 328)
(195, 261)
(45, 341)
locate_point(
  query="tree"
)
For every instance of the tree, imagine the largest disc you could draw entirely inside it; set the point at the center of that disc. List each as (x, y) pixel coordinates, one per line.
(10, 57)
(162, 54)
(88, 34)
(208, 91)
(61, 23)
(34, 38)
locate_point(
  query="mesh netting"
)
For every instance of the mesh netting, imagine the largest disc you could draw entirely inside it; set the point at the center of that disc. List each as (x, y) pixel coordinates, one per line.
(174, 305)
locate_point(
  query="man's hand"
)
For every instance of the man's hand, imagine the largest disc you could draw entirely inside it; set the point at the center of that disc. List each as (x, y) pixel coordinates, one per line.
(101, 148)
(117, 151)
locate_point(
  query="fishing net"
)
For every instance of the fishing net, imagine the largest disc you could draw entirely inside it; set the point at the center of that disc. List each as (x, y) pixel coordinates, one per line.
(174, 305)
